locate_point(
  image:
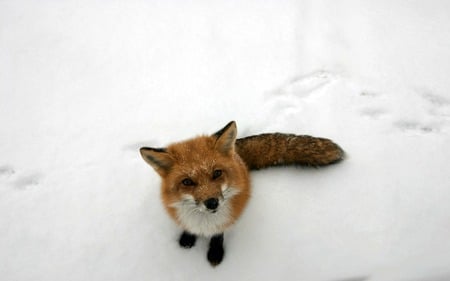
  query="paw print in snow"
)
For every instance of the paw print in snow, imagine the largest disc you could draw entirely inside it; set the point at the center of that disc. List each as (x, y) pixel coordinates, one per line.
(9, 176)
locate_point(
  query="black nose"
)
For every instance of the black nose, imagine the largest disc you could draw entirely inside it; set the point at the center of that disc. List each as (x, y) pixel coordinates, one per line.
(212, 203)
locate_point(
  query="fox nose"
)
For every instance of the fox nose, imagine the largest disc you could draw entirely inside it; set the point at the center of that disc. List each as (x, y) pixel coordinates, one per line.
(211, 203)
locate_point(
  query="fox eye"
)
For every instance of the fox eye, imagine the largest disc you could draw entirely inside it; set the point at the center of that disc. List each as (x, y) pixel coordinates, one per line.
(217, 174)
(187, 182)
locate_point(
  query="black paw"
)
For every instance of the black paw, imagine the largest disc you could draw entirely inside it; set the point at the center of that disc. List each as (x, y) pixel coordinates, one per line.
(216, 251)
(215, 255)
(187, 240)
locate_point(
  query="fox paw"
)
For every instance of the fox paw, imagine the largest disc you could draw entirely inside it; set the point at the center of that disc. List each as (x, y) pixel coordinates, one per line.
(216, 251)
(215, 255)
(187, 240)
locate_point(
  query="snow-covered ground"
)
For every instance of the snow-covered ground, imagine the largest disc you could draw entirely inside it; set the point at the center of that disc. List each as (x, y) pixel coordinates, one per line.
(84, 84)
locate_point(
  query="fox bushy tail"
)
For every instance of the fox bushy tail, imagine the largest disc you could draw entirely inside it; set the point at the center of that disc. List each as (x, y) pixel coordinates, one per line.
(267, 150)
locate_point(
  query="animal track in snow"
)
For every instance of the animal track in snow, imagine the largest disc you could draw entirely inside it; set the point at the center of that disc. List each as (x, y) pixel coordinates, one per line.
(370, 94)
(438, 106)
(426, 112)
(302, 86)
(436, 114)
(373, 112)
(406, 125)
(9, 176)
(288, 99)
(436, 100)
(375, 109)
(294, 99)
(6, 171)
(27, 181)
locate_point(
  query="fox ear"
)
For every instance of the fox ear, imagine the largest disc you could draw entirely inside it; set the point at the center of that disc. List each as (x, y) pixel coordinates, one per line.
(226, 138)
(158, 158)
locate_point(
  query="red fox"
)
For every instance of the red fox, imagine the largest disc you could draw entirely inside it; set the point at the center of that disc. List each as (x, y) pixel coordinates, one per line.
(205, 180)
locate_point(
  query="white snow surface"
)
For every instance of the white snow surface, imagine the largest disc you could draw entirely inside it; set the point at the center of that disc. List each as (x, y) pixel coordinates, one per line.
(85, 83)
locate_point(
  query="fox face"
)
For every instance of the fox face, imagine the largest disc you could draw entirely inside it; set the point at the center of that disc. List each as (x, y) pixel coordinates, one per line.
(205, 184)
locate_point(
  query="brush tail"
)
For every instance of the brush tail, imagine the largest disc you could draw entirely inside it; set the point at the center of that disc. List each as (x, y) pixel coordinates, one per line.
(267, 150)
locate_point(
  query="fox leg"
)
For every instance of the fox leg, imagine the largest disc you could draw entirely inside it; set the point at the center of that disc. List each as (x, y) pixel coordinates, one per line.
(187, 240)
(216, 251)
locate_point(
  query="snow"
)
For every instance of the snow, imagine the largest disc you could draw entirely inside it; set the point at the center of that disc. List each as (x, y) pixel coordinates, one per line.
(84, 84)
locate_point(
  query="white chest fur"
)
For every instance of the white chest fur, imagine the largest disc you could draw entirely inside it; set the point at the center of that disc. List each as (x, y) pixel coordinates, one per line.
(196, 219)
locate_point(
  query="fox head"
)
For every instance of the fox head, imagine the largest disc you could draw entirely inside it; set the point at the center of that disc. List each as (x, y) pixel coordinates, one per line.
(201, 175)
